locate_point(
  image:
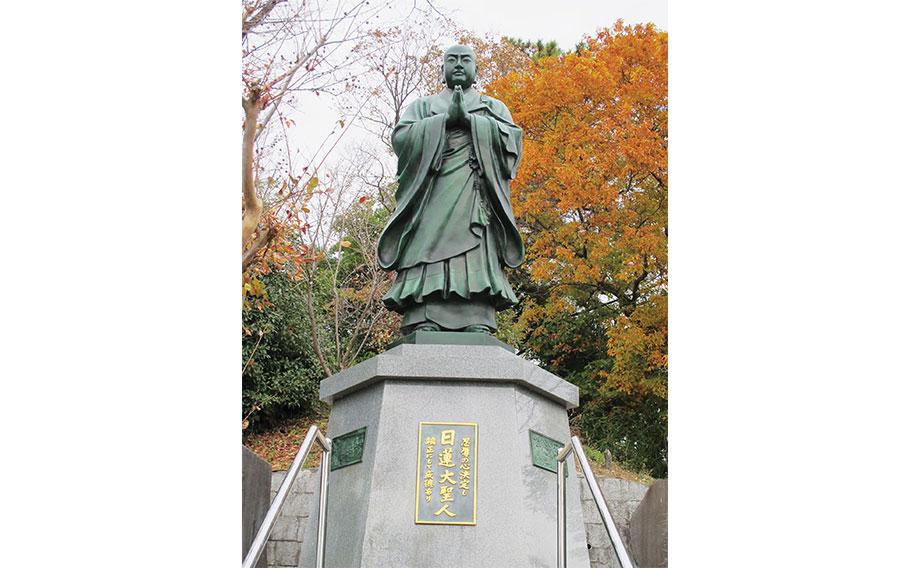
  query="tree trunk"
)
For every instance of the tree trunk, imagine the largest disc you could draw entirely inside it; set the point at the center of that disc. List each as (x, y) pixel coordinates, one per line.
(252, 204)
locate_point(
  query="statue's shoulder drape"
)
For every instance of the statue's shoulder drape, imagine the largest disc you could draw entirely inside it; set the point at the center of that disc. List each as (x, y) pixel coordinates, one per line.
(419, 141)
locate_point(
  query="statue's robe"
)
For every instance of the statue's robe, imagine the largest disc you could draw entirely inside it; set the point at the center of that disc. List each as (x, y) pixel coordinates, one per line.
(453, 228)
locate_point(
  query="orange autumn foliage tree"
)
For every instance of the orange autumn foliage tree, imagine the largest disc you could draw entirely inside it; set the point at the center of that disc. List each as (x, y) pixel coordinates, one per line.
(591, 198)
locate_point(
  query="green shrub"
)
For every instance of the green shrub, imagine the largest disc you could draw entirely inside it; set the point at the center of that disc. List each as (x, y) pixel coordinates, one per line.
(281, 376)
(634, 430)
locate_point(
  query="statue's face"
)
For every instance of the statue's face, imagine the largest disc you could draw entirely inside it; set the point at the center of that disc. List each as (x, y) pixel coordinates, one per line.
(459, 67)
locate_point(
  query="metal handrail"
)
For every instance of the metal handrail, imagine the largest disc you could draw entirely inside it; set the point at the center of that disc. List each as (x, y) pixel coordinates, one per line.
(575, 447)
(262, 536)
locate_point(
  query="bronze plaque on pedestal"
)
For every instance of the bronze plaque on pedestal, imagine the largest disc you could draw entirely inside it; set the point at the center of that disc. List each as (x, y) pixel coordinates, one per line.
(544, 450)
(347, 449)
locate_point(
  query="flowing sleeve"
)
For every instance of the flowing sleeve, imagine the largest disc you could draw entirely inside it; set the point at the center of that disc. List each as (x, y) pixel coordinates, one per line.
(497, 142)
(418, 141)
(510, 135)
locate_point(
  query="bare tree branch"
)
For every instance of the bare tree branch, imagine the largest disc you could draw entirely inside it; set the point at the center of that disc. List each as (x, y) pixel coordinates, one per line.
(257, 16)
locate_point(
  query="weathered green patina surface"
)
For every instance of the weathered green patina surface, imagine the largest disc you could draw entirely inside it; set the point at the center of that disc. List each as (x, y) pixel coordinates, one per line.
(544, 451)
(453, 229)
(347, 449)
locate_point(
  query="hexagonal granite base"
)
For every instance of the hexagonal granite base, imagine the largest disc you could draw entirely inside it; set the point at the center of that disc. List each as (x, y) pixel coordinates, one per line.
(371, 504)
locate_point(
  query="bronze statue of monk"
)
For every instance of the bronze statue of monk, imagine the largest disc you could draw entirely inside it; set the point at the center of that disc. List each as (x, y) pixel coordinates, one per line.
(453, 229)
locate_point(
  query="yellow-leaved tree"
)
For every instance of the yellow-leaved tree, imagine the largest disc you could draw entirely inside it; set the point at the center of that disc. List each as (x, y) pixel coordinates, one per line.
(591, 197)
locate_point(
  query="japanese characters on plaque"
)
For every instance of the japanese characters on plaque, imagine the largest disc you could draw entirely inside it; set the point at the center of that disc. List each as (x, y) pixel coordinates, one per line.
(446, 474)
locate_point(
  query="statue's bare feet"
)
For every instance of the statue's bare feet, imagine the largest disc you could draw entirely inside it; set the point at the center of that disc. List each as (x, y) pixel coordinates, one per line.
(479, 329)
(428, 326)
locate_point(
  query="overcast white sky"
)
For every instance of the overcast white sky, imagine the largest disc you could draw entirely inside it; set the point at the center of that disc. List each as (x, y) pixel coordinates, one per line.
(565, 21)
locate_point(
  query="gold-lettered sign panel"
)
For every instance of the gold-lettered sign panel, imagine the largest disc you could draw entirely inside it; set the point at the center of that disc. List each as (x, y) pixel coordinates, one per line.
(446, 491)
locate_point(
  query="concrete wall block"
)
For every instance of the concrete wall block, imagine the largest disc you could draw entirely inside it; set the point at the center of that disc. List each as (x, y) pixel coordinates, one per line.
(623, 498)
(300, 497)
(648, 528)
(287, 553)
(308, 481)
(277, 478)
(589, 511)
(600, 557)
(604, 557)
(270, 552)
(622, 512)
(301, 528)
(294, 506)
(300, 484)
(585, 491)
(609, 487)
(597, 535)
(621, 490)
(255, 478)
(612, 561)
(285, 528)
(288, 533)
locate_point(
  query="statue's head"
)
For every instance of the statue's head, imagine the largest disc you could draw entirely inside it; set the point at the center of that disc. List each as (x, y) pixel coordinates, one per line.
(459, 66)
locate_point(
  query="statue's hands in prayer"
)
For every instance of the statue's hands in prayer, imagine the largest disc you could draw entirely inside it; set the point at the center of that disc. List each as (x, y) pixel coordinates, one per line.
(457, 114)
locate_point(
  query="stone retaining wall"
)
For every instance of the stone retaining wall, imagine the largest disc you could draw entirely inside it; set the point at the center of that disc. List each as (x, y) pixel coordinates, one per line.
(284, 543)
(623, 498)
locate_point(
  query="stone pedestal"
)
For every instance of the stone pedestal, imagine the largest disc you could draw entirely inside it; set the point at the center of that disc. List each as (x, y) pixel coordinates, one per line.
(648, 528)
(371, 503)
(257, 477)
